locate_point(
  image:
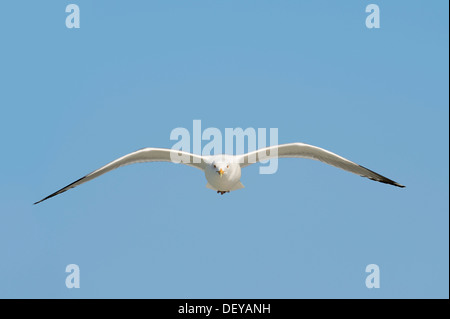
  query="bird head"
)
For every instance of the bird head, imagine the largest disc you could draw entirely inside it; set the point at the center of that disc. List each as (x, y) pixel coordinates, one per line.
(221, 168)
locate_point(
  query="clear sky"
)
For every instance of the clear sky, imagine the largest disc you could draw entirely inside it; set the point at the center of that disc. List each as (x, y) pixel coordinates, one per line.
(74, 99)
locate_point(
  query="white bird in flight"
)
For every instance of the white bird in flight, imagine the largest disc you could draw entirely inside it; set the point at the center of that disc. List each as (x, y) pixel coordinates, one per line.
(223, 172)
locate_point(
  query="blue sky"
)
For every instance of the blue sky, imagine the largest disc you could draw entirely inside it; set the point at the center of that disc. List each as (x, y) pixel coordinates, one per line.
(73, 100)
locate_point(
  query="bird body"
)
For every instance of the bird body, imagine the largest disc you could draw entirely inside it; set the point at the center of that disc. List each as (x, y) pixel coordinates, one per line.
(223, 172)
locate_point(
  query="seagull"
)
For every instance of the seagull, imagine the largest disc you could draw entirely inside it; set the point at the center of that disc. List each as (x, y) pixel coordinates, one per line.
(223, 172)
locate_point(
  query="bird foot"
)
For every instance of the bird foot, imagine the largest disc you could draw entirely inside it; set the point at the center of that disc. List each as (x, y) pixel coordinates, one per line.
(222, 192)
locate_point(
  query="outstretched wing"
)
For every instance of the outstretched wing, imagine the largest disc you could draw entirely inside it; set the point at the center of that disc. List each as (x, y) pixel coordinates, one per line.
(140, 156)
(301, 150)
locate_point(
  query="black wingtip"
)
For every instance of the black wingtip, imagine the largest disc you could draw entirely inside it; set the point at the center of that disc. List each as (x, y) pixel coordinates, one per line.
(382, 179)
(39, 201)
(391, 182)
(387, 181)
(62, 190)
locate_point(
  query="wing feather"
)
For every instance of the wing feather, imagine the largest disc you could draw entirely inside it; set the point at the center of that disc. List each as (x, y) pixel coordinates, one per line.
(140, 156)
(300, 150)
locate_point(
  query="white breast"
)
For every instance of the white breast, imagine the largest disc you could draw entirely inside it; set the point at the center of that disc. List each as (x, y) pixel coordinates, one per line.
(229, 179)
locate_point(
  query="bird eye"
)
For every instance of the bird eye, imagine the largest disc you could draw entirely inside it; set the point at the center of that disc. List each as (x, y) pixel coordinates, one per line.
(228, 166)
(215, 166)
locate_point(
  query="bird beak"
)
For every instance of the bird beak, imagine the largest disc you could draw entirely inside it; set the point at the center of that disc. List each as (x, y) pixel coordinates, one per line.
(220, 172)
